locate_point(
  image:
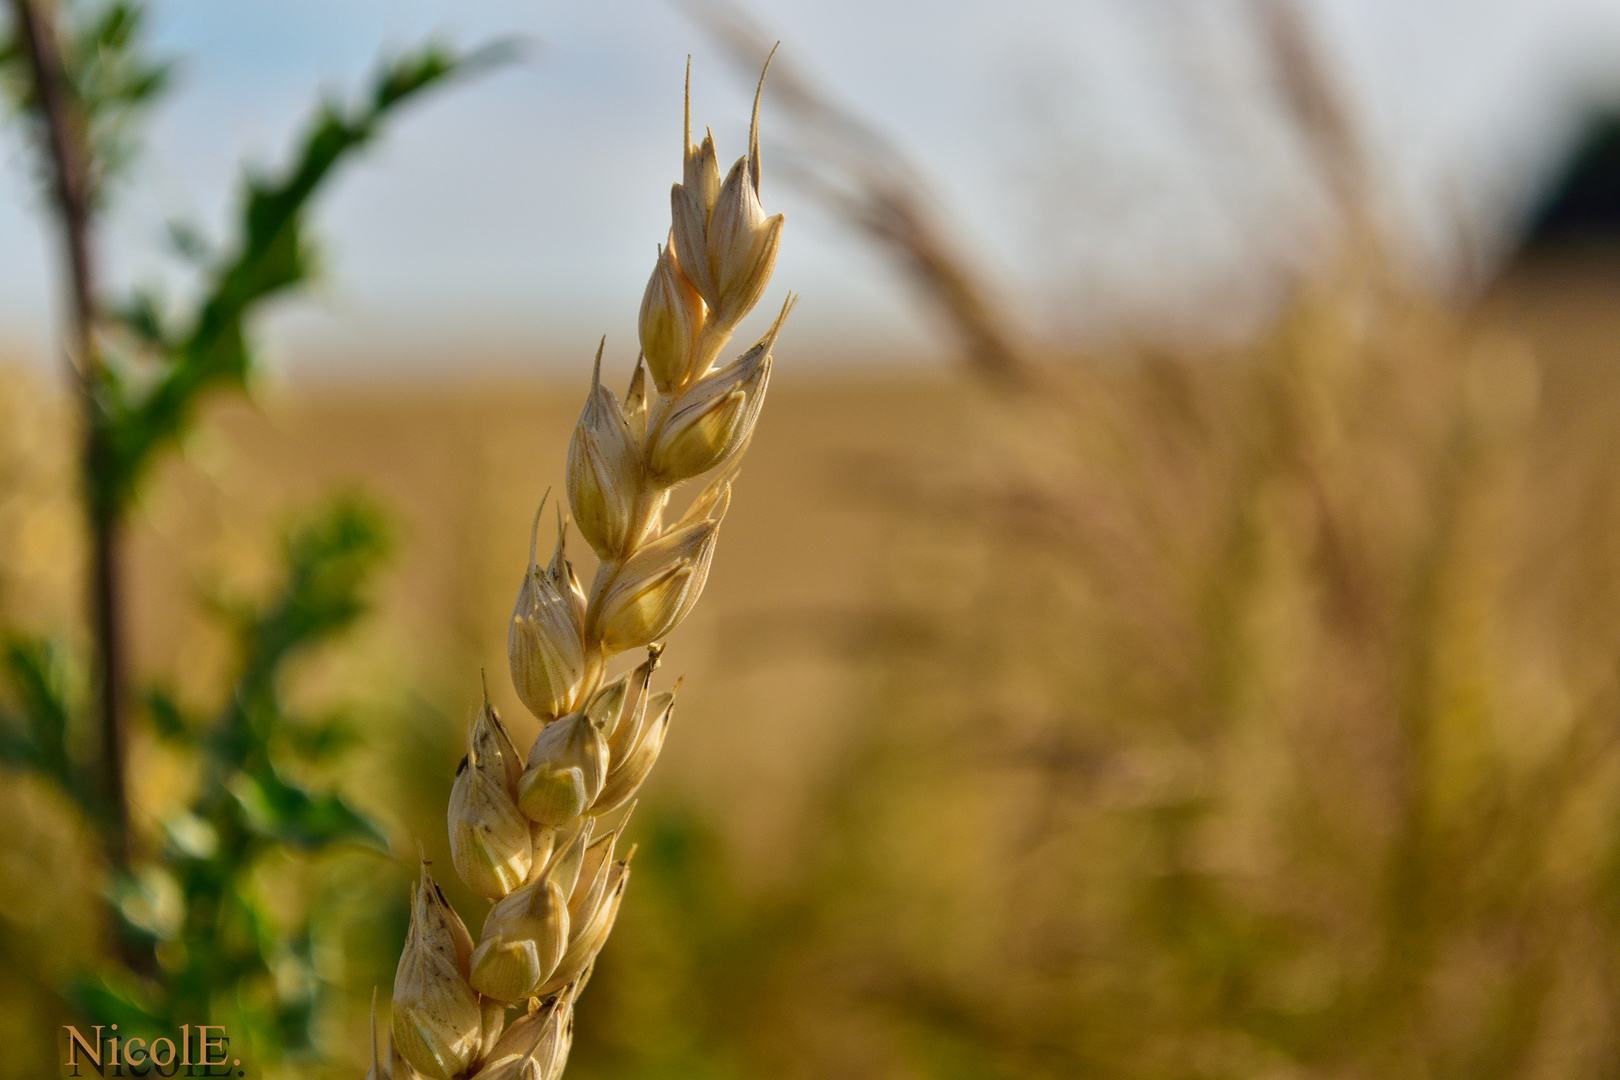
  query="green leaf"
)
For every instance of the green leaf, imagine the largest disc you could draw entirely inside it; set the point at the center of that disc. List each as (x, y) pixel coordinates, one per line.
(16, 749)
(142, 315)
(329, 560)
(272, 255)
(320, 740)
(116, 997)
(41, 678)
(107, 79)
(189, 242)
(168, 718)
(287, 813)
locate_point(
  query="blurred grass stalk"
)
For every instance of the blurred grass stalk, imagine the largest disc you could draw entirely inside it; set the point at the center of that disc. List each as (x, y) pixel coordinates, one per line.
(1258, 716)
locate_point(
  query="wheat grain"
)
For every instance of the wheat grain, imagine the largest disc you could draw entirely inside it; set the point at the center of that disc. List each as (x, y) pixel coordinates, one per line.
(523, 830)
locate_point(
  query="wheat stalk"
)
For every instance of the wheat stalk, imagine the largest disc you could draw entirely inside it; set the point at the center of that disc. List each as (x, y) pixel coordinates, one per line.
(528, 832)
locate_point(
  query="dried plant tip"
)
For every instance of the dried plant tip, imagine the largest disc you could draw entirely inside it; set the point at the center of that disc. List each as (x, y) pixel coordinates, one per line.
(604, 471)
(700, 172)
(753, 122)
(591, 882)
(560, 572)
(588, 940)
(607, 704)
(741, 246)
(625, 733)
(699, 169)
(545, 643)
(490, 842)
(567, 766)
(589, 905)
(671, 316)
(708, 176)
(725, 244)
(438, 1022)
(692, 203)
(489, 740)
(627, 775)
(656, 587)
(572, 844)
(712, 419)
(545, 842)
(635, 402)
(524, 937)
(711, 503)
(535, 1047)
(378, 1068)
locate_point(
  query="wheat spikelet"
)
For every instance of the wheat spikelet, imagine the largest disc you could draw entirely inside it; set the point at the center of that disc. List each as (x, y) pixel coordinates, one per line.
(529, 831)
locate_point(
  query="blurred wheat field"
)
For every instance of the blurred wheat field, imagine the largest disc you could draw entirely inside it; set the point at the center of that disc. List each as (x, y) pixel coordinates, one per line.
(1231, 716)
(461, 472)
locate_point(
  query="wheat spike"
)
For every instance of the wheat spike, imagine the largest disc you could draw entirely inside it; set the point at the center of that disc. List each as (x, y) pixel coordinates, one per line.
(523, 829)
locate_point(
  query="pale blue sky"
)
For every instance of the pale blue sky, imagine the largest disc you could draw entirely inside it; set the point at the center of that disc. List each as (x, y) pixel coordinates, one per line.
(1111, 159)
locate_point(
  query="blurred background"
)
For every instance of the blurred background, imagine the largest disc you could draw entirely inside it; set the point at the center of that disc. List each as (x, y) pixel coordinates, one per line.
(1168, 624)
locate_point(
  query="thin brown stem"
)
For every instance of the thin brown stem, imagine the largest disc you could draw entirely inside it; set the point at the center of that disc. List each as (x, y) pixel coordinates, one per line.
(70, 167)
(106, 607)
(66, 141)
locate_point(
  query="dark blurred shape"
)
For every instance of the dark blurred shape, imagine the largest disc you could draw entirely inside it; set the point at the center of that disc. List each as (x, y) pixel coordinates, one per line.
(1585, 202)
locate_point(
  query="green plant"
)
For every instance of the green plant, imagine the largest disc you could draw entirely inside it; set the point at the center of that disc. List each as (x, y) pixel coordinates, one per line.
(193, 905)
(191, 941)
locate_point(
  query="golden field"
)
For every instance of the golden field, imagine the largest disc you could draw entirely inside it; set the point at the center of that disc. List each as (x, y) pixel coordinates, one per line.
(460, 472)
(1251, 715)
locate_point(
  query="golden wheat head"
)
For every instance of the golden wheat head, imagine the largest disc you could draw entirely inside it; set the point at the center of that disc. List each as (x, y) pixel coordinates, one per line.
(529, 831)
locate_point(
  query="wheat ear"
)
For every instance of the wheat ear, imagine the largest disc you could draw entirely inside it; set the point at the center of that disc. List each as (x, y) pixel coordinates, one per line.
(528, 831)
